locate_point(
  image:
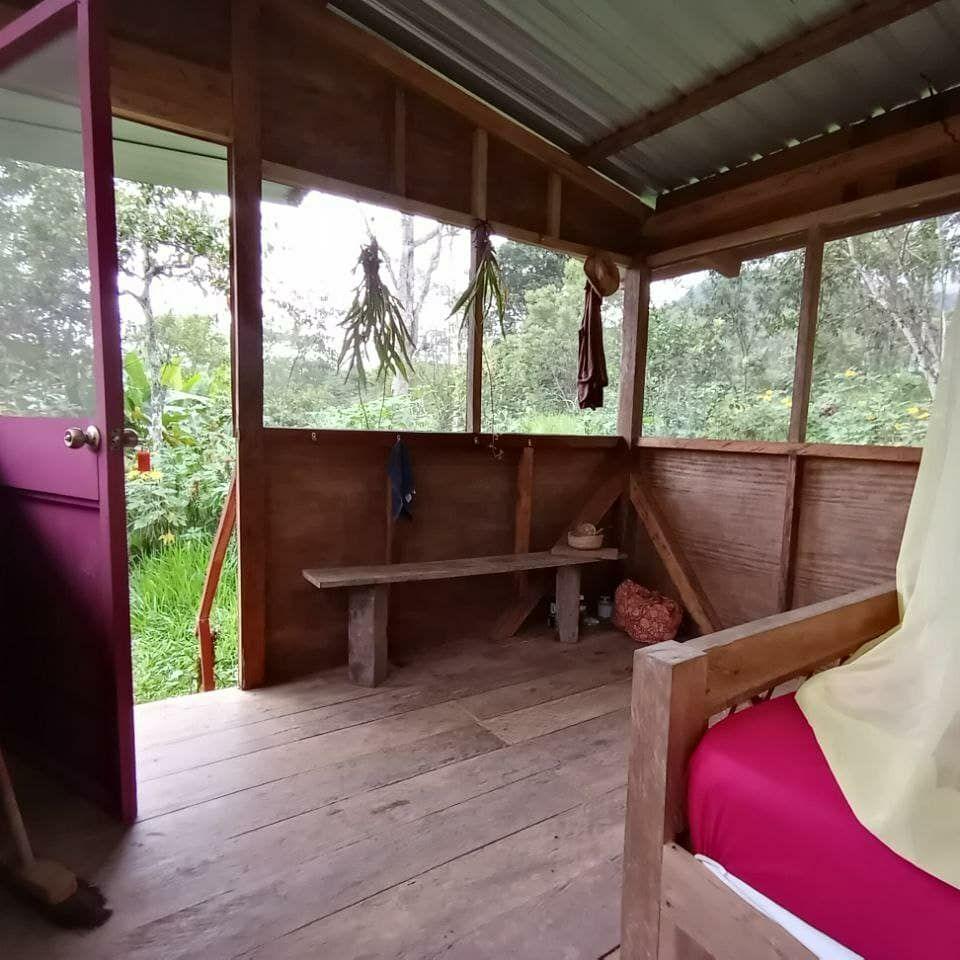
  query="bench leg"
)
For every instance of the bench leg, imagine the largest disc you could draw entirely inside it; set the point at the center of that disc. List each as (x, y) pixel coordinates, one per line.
(367, 634)
(568, 604)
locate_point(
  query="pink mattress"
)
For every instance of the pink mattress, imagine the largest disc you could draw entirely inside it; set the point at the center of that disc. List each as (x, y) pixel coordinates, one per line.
(763, 802)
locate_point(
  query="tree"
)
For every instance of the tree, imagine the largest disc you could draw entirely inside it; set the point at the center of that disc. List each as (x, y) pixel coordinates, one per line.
(526, 268)
(165, 233)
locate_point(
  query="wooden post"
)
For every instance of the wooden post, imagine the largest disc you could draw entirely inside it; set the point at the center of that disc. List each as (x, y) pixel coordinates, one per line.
(245, 177)
(523, 514)
(806, 334)
(633, 352)
(478, 203)
(788, 538)
(367, 634)
(568, 604)
(667, 718)
(554, 203)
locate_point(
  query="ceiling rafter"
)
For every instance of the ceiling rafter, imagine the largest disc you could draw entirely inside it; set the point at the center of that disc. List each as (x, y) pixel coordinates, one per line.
(856, 22)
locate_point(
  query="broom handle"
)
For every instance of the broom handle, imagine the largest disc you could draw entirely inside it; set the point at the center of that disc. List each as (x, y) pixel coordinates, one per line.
(15, 821)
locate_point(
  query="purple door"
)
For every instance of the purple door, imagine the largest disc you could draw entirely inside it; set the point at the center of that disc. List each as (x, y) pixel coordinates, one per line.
(65, 681)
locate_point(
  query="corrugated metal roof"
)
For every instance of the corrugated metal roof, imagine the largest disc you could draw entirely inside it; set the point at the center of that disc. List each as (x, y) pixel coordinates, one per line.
(575, 69)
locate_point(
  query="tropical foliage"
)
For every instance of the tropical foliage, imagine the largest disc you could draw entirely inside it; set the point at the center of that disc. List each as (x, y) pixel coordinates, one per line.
(720, 361)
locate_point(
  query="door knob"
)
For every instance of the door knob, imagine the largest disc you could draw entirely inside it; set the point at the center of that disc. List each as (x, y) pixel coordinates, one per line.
(76, 437)
(129, 438)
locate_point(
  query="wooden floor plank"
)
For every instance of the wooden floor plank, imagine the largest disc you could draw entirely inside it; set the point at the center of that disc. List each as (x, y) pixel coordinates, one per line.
(269, 889)
(420, 916)
(302, 820)
(189, 787)
(554, 714)
(573, 920)
(496, 703)
(474, 672)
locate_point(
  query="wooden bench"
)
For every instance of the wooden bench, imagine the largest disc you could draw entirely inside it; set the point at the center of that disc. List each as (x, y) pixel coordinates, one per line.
(370, 591)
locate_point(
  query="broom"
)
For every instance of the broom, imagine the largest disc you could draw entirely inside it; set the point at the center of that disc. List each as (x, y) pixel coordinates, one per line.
(63, 897)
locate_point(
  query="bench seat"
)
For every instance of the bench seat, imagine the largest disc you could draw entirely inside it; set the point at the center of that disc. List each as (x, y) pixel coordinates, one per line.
(369, 588)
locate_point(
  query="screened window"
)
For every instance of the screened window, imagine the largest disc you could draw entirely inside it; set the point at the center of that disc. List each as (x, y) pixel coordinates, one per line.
(721, 352)
(311, 247)
(530, 367)
(886, 300)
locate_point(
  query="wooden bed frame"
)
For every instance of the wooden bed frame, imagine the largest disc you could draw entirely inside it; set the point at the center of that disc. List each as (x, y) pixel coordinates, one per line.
(672, 907)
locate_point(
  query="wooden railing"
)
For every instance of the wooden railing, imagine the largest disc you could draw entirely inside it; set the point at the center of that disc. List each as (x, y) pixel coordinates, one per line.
(205, 635)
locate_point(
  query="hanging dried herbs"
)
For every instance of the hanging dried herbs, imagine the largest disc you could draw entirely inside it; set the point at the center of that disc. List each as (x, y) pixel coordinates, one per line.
(486, 285)
(376, 316)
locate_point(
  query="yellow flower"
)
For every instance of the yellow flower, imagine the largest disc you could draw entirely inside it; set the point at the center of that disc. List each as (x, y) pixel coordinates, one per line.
(898, 426)
(167, 537)
(767, 395)
(786, 401)
(849, 373)
(913, 411)
(923, 415)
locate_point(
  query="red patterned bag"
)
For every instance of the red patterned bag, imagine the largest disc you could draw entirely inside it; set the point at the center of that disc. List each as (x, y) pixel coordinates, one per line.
(645, 615)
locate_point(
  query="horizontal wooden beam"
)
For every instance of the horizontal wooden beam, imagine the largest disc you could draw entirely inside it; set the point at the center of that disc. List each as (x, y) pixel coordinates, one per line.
(836, 164)
(831, 451)
(853, 24)
(690, 255)
(848, 152)
(307, 180)
(415, 75)
(752, 658)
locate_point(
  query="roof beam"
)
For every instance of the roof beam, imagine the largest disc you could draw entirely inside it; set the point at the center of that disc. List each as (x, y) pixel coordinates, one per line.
(411, 73)
(859, 21)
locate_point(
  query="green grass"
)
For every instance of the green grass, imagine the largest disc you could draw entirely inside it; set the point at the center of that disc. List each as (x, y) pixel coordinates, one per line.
(165, 590)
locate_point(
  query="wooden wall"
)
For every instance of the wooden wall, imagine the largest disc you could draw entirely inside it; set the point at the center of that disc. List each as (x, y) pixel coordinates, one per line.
(727, 513)
(327, 505)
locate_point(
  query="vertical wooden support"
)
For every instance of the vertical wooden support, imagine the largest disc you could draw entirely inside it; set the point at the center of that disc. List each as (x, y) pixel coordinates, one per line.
(399, 142)
(367, 634)
(478, 203)
(793, 483)
(211, 581)
(523, 514)
(806, 334)
(633, 352)
(667, 718)
(799, 412)
(568, 604)
(554, 203)
(245, 177)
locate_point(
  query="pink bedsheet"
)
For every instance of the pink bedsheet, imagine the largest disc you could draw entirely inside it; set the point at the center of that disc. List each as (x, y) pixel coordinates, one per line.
(763, 802)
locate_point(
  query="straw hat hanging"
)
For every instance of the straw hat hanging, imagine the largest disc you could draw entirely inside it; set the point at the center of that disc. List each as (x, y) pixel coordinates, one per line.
(603, 274)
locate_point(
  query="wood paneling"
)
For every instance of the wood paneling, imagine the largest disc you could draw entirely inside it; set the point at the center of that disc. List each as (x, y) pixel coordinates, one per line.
(851, 521)
(727, 513)
(325, 508)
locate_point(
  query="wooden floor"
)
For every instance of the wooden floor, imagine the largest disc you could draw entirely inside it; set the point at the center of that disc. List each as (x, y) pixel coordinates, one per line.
(471, 807)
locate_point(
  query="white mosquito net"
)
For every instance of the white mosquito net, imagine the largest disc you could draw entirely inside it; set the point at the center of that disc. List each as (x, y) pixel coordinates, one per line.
(888, 721)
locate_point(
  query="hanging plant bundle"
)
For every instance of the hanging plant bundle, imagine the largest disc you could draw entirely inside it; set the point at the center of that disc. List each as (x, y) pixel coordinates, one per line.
(376, 316)
(486, 285)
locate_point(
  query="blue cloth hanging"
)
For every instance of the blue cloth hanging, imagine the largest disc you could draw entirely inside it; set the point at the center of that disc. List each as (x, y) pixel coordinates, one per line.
(402, 490)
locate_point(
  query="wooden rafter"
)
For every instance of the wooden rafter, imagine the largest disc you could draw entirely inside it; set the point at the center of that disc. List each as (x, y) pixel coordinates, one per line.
(857, 22)
(405, 69)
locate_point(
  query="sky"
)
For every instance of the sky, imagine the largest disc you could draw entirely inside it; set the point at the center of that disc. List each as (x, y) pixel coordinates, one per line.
(310, 256)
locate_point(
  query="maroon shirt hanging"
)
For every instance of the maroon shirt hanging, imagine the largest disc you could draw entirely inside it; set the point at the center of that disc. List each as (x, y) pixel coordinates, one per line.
(592, 369)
